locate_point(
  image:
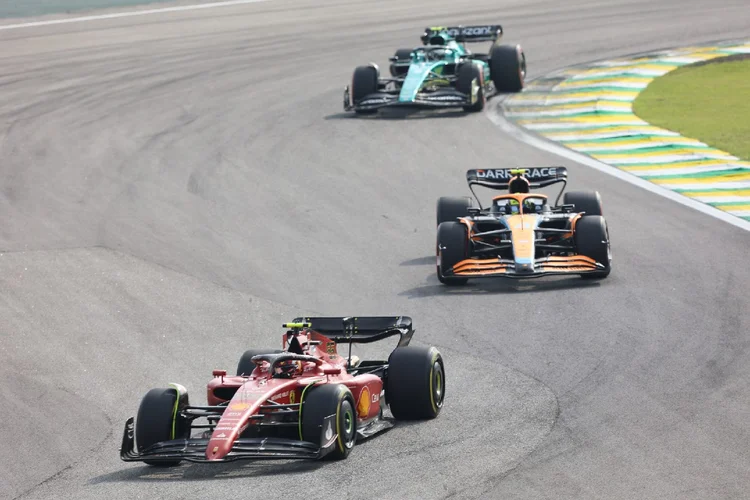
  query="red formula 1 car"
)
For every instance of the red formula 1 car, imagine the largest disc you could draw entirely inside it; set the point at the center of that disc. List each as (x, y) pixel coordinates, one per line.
(305, 401)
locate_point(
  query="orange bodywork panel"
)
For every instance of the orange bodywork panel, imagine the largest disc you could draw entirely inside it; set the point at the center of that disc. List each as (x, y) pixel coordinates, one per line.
(547, 265)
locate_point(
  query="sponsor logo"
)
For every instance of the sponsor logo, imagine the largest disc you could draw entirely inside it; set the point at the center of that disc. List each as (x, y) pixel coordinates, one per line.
(234, 414)
(375, 398)
(292, 397)
(222, 435)
(505, 173)
(363, 405)
(446, 98)
(240, 406)
(367, 102)
(331, 348)
(472, 31)
(329, 431)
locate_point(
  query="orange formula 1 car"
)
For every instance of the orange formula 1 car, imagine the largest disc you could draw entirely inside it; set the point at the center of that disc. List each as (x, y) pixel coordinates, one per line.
(520, 235)
(305, 401)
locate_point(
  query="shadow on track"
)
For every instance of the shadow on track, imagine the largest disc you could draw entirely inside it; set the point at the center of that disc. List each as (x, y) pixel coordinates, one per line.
(498, 286)
(402, 114)
(203, 472)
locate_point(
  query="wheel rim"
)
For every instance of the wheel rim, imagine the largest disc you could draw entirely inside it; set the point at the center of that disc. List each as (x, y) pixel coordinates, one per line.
(348, 424)
(438, 389)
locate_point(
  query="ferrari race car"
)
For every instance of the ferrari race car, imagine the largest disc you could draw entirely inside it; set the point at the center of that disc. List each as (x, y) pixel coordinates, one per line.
(442, 73)
(520, 235)
(303, 401)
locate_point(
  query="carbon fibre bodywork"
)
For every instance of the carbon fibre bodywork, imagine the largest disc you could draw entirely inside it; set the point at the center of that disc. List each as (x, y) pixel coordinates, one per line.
(520, 235)
(429, 78)
(261, 414)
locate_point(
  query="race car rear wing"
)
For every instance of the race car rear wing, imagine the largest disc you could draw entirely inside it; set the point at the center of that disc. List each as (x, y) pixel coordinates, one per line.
(362, 329)
(499, 178)
(482, 33)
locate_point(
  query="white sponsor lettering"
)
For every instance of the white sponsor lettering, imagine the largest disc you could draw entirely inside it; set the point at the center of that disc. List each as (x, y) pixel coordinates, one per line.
(472, 31)
(534, 173)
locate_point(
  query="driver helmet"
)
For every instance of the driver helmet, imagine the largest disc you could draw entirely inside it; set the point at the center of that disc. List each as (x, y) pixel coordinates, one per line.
(437, 54)
(519, 184)
(513, 206)
(288, 368)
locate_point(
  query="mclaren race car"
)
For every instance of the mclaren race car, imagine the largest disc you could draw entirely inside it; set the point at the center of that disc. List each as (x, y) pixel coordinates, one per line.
(442, 73)
(305, 400)
(521, 235)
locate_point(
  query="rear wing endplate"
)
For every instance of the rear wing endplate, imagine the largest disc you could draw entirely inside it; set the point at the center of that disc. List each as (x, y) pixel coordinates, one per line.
(361, 329)
(480, 33)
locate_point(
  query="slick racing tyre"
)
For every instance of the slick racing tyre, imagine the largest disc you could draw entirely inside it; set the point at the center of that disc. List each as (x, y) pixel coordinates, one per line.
(159, 420)
(508, 68)
(471, 76)
(452, 248)
(584, 201)
(400, 66)
(327, 411)
(592, 240)
(246, 366)
(450, 208)
(415, 388)
(364, 83)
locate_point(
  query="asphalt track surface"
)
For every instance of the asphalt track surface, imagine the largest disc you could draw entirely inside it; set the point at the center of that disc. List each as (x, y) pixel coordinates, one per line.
(173, 187)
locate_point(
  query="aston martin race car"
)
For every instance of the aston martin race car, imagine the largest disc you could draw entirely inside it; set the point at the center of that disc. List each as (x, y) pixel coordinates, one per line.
(442, 73)
(520, 234)
(305, 400)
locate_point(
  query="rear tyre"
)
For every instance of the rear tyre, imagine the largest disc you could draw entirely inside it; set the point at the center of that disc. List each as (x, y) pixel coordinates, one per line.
(471, 82)
(328, 410)
(589, 202)
(402, 56)
(450, 208)
(592, 240)
(415, 388)
(364, 83)
(452, 248)
(159, 420)
(508, 68)
(246, 366)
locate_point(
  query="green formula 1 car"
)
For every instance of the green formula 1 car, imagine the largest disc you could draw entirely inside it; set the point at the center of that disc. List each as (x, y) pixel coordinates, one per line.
(442, 73)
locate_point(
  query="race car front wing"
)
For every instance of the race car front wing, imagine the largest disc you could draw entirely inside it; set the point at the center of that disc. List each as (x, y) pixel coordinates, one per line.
(194, 449)
(447, 98)
(506, 268)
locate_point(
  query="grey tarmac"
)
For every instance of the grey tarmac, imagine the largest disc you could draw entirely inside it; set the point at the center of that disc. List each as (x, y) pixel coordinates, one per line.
(173, 187)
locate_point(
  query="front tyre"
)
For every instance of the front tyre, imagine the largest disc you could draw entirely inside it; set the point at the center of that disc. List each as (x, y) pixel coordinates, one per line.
(471, 82)
(327, 411)
(452, 248)
(415, 388)
(159, 420)
(592, 240)
(364, 82)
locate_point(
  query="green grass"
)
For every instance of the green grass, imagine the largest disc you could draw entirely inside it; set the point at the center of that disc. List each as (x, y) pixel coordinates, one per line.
(709, 102)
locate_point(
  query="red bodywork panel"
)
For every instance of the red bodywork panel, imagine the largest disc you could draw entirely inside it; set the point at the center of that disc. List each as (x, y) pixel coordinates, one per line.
(260, 387)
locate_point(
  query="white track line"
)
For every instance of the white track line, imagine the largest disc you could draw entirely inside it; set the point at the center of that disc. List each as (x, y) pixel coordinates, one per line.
(117, 15)
(518, 133)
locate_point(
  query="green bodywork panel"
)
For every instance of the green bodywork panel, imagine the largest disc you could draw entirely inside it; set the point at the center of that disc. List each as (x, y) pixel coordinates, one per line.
(426, 68)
